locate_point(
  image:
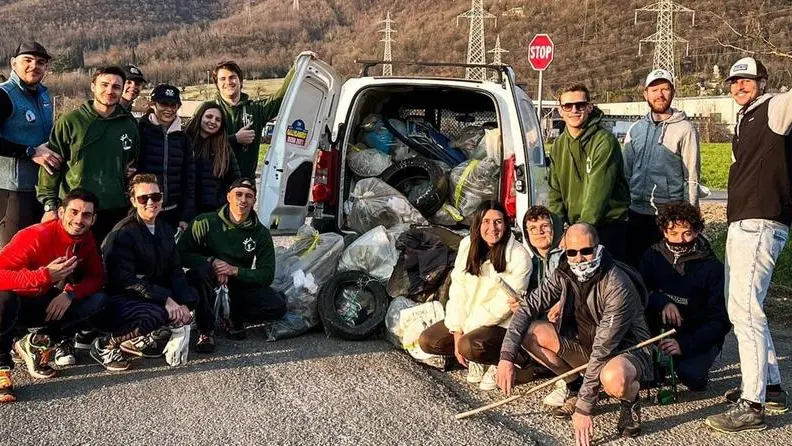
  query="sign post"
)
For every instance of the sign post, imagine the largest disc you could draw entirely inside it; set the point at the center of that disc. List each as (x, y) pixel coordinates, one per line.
(540, 54)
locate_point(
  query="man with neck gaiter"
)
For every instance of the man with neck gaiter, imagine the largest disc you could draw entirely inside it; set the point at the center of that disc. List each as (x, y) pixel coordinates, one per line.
(685, 284)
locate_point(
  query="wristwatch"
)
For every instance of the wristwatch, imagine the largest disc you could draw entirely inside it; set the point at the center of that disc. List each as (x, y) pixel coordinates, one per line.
(51, 206)
(30, 152)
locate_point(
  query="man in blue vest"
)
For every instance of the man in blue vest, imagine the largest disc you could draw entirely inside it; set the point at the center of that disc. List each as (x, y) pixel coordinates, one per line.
(26, 116)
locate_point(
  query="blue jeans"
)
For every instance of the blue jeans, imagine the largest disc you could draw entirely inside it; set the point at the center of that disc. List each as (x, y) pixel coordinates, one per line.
(693, 371)
(752, 248)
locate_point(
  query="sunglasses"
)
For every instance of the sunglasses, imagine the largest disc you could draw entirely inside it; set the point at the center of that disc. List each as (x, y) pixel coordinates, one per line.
(583, 251)
(156, 197)
(579, 106)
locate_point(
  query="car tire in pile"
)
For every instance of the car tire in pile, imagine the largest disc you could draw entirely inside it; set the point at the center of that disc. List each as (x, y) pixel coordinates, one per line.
(416, 172)
(334, 324)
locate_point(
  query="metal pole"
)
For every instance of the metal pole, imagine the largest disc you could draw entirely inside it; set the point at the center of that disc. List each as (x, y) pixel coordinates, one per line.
(539, 112)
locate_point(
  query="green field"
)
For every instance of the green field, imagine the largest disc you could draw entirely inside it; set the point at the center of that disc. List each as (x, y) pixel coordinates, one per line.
(715, 162)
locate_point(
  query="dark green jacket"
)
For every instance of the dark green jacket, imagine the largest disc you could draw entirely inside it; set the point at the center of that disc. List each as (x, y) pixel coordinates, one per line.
(96, 151)
(213, 235)
(586, 180)
(256, 112)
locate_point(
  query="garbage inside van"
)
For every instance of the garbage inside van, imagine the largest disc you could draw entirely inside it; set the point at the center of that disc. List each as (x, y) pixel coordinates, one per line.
(472, 183)
(421, 180)
(375, 133)
(373, 202)
(367, 162)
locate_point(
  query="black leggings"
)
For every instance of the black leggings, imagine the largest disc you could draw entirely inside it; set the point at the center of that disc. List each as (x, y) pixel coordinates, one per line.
(18, 210)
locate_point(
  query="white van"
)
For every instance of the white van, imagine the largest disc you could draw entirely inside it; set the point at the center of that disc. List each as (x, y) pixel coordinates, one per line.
(322, 113)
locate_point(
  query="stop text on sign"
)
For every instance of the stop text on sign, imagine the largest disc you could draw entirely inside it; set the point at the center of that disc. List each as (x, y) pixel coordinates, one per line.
(540, 52)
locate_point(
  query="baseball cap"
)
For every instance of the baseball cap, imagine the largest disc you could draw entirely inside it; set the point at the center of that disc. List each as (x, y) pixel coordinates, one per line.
(243, 182)
(166, 94)
(133, 73)
(659, 74)
(33, 48)
(748, 68)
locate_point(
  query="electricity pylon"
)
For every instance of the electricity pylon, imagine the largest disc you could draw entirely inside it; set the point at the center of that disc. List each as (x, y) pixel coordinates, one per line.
(496, 57)
(387, 69)
(665, 38)
(476, 53)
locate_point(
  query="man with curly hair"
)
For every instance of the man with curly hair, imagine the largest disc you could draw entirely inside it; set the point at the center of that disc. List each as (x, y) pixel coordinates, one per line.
(685, 284)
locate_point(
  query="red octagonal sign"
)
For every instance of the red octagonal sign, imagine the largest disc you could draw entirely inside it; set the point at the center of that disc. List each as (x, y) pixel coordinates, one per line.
(540, 52)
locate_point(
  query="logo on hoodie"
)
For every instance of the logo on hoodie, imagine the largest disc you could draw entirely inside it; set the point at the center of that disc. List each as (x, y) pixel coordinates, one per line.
(249, 244)
(126, 142)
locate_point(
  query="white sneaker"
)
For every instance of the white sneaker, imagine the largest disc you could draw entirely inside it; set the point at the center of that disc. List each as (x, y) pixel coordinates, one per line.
(64, 353)
(475, 372)
(489, 381)
(559, 394)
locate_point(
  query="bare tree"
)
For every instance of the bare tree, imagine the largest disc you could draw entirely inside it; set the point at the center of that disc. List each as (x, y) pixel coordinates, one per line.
(754, 32)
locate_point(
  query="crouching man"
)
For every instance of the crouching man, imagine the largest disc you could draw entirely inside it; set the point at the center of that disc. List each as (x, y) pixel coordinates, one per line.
(685, 283)
(233, 248)
(146, 283)
(50, 277)
(601, 314)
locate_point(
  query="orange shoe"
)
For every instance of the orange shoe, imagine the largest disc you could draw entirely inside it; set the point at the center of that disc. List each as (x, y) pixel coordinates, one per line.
(6, 388)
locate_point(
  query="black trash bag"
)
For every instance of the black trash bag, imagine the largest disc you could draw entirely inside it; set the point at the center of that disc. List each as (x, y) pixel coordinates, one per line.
(424, 260)
(352, 306)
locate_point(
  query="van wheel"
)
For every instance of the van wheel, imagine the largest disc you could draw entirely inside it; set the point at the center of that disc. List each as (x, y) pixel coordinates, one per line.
(422, 181)
(344, 320)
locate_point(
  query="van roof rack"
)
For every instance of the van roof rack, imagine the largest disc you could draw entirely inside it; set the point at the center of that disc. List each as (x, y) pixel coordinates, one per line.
(368, 63)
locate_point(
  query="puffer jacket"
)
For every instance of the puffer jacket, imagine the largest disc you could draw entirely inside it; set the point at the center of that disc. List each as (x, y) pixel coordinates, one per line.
(616, 303)
(168, 155)
(210, 191)
(143, 265)
(478, 301)
(543, 267)
(662, 162)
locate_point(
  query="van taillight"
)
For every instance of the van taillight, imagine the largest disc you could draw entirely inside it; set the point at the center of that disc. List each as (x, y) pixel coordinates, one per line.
(508, 193)
(324, 177)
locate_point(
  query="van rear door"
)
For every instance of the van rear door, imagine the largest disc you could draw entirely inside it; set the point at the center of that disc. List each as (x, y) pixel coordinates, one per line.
(307, 110)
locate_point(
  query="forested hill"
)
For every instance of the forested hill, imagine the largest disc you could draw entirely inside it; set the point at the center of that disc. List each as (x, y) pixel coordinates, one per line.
(596, 40)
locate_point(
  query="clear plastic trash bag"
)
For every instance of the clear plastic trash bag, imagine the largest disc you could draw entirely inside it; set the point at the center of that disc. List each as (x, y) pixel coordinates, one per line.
(373, 202)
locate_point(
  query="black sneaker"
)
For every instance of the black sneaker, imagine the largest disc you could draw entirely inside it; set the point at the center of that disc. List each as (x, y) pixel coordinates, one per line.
(740, 417)
(205, 342)
(36, 352)
(629, 424)
(567, 409)
(84, 339)
(111, 358)
(775, 402)
(143, 347)
(64, 353)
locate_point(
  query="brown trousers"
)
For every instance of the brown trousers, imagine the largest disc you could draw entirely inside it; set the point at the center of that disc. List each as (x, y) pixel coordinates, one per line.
(481, 345)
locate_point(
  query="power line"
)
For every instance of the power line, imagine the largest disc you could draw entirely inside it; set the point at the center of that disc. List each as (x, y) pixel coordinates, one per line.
(664, 38)
(476, 53)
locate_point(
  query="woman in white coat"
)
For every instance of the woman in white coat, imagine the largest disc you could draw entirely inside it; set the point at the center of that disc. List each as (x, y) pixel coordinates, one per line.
(478, 310)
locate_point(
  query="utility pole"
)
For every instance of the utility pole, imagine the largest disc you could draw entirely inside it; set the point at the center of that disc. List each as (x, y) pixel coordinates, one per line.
(476, 53)
(247, 9)
(387, 69)
(665, 38)
(496, 57)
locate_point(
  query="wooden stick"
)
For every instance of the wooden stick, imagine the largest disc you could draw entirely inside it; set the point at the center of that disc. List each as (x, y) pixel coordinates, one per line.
(550, 382)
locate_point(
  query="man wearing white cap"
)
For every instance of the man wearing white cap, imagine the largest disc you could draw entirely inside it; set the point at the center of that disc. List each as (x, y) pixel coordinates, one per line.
(661, 162)
(759, 213)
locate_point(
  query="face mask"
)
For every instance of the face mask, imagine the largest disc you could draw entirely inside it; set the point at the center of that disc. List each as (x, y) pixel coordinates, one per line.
(586, 270)
(682, 248)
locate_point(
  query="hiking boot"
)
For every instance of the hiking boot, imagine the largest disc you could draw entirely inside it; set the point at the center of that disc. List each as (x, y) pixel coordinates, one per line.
(84, 339)
(775, 402)
(567, 409)
(142, 347)
(6, 388)
(475, 372)
(205, 342)
(35, 351)
(489, 380)
(110, 357)
(64, 353)
(740, 417)
(559, 394)
(629, 424)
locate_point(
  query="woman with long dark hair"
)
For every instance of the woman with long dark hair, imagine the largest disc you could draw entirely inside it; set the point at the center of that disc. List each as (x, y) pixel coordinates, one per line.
(215, 163)
(478, 310)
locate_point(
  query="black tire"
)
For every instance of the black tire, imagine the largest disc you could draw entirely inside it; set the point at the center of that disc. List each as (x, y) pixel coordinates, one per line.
(408, 173)
(334, 324)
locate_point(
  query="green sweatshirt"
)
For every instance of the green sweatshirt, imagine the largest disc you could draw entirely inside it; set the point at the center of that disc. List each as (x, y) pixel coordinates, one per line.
(586, 179)
(214, 236)
(256, 112)
(95, 151)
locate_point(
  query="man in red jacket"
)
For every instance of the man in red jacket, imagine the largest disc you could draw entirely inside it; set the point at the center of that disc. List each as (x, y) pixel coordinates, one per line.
(50, 277)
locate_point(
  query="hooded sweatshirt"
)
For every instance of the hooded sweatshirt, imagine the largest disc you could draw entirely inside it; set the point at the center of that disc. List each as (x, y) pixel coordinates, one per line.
(96, 152)
(586, 178)
(247, 245)
(662, 162)
(254, 113)
(545, 266)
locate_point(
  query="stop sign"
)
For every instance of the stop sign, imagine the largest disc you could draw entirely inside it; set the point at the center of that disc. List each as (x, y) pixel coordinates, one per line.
(540, 52)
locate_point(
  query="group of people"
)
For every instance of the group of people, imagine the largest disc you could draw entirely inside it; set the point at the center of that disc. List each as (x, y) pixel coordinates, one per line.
(101, 215)
(617, 257)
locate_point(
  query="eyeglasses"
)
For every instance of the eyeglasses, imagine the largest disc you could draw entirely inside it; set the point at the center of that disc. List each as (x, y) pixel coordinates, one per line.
(544, 228)
(579, 106)
(583, 251)
(156, 197)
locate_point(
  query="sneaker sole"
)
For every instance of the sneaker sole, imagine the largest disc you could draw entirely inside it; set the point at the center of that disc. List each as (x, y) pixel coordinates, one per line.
(29, 364)
(107, 367)
(726, 431)
(71, 361)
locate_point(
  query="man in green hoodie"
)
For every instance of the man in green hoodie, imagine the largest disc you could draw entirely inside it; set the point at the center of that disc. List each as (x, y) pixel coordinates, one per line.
(99, 143)
(587, 183)
(231, 247)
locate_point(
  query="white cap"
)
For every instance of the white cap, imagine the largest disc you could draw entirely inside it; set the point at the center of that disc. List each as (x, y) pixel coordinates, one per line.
(748, 68)
(659, 73)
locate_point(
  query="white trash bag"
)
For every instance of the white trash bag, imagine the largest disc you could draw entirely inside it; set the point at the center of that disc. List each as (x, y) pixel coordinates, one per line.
(178, 347)
(406, 320)
(374, 252)
(374, 203)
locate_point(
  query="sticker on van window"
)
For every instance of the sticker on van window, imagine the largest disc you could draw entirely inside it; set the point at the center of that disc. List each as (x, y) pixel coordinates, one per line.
(296, 133)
